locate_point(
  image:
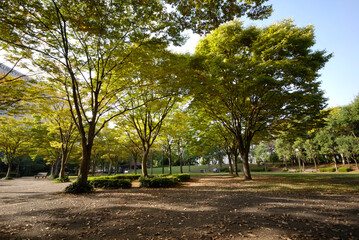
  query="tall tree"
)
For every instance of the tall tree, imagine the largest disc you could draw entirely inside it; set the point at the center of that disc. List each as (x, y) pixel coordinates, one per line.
(14, 136)
(257, 80)
(86, 45)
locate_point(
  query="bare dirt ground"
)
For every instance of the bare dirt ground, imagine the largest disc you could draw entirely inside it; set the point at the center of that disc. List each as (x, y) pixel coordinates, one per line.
(208, 207)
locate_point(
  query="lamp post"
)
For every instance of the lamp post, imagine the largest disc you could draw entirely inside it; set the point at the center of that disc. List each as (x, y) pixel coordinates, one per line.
(300, 166)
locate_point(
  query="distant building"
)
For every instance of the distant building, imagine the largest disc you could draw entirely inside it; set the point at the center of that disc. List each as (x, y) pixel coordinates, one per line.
(12, 72)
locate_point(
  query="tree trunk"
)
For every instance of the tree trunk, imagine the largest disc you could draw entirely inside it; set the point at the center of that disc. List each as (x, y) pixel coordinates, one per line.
(285, 162)
(246, 170)
(110, 168)
(343, 158)
(64, 159)
(135, 165)
(181, 164)
(335, 163)
(356, 163)
(230, 163)
(236, 165)
(300, 165)
(163, 166)
(18, 168)
(335, 160)
(9, 168)
(85, 163)
(151, 162)
(52, 170)
(189, 165)
(315, 164)
(57, 168)
(170, 163)
(144, 162)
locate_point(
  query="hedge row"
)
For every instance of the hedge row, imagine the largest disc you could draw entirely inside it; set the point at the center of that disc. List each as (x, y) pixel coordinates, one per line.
(182, 177)
(3, 174)
(344, 169)
(327, 169)
(110, 183)
(159, 182)
(127, 176)
(260, 169)
(164, 180)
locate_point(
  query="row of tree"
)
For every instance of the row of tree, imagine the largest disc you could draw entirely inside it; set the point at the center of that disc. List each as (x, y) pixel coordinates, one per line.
(108, 60)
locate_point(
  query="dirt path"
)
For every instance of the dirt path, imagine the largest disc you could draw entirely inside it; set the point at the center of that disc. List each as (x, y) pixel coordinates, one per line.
(206, 208)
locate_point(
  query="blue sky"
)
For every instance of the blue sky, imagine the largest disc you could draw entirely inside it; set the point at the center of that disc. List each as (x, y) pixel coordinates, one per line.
(337, 31)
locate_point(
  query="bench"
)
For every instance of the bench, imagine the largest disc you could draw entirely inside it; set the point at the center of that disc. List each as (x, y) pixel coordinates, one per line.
(41, 174)
(292, 170)
(309, 170)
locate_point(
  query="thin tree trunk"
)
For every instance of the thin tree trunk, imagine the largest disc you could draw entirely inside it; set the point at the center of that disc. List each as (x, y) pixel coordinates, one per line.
(170, 163)
(315, 164)
(236, 165)
(18, 168)
(110, 168)
(57, 168)
(189, 165)
(335, 161)
(181, 164)
(151, 162)
(356, 162)
(86, 158)
(343, 158)
(230, 163)
(144, 162)
(9, 168)
(163, 166)
(246, 170)
(135, 165)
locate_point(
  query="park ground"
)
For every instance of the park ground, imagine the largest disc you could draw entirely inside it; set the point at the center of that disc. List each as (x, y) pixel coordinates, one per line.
(272, 206)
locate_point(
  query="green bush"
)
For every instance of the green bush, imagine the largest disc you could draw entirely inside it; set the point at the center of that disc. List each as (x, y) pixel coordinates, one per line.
(328, 169)
(62, 180)
(3, 174)
(128, 176)
(224, 169)
(110, 183)
(183, 177)
(8, 178)
(284, 169)
(344, 169)
(260, 169)
(158, 182)
(75, 188)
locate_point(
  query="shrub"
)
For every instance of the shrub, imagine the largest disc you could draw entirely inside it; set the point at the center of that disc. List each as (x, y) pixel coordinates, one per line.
(62, 180)
(344, 169)
(158, 182)
(328, 169)
(224, 169)
(110, 183)
(284, 169)
(260, 169)
(75, 188)
(3, 174)
(129, 176)
(183, 177)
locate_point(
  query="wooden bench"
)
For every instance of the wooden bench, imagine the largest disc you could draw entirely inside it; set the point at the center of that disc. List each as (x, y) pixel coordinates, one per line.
(309, 170)
(41, 174)
(292, 170)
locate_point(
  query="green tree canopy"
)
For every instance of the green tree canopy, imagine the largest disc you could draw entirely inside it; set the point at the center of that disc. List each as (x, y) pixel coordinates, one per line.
(256, 81)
